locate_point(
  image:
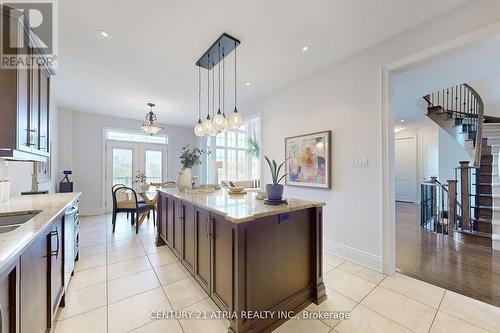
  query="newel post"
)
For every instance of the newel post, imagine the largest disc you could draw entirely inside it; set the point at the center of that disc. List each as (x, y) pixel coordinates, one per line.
(464, 192)
(452, 206)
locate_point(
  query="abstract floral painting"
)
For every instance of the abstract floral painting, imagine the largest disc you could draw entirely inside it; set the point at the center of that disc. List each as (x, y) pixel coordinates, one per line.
(308, 161)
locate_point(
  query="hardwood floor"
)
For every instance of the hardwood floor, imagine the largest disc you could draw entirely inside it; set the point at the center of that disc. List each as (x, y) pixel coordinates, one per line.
(468, 269)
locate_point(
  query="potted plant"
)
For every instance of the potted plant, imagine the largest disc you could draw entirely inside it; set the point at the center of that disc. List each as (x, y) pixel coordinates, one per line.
(141, 179)
(274, 191)
(190, 157)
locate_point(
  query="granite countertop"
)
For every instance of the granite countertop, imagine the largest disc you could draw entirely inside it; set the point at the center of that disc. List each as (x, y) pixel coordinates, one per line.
(50, 206)
(240, 207)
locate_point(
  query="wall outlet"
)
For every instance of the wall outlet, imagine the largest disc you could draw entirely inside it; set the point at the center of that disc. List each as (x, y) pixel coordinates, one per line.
(359, 162)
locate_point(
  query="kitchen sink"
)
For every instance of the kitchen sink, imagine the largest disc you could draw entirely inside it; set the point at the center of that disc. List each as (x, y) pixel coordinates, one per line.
(11, 221)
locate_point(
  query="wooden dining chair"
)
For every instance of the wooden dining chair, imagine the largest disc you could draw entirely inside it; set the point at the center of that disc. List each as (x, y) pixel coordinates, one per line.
(125, 201)
(113, 189)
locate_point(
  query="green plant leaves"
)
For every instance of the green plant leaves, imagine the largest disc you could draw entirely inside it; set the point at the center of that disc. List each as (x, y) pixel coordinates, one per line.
(275, 170)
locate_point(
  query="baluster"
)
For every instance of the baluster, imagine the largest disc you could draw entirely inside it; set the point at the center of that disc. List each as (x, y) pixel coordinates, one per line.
(464, 189)
(452, 206)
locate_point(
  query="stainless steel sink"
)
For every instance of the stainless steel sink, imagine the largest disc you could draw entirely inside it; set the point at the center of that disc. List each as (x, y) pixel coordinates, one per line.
(11, 221)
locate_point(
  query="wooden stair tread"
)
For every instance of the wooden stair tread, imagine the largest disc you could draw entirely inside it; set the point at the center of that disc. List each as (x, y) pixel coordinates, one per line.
(475, 233)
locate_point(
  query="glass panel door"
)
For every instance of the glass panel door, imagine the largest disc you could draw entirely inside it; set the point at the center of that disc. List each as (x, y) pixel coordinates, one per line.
(122, 170)
(154, 166)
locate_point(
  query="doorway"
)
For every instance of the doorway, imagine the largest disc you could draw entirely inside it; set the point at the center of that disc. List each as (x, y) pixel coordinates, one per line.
(126, 160)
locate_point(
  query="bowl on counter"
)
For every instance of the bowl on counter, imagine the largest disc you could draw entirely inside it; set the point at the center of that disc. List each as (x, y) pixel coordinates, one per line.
(236, 189)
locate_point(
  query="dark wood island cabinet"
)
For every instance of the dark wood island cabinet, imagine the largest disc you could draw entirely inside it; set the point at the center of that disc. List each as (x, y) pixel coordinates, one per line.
(246, 255)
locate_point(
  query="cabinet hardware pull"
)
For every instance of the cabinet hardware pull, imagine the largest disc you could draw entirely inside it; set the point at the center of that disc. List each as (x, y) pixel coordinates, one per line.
(207, 225)
(56, 252)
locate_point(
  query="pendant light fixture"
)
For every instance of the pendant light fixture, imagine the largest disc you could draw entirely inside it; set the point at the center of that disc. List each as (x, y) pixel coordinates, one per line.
(216, 122)
(219, 118)
(199, 130)
(207, 124)
(235, 119)
(150, 126)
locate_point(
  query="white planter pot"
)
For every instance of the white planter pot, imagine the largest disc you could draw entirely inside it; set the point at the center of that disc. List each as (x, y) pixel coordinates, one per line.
(184, 179)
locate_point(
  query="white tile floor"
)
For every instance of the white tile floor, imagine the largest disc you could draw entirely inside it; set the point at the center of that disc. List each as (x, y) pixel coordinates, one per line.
(120, 278)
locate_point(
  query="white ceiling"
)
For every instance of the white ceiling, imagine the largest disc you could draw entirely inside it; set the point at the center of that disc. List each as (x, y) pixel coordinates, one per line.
(155, 44)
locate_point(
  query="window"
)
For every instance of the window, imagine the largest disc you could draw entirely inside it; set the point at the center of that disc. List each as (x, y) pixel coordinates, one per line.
(133, 136)
(232, 148)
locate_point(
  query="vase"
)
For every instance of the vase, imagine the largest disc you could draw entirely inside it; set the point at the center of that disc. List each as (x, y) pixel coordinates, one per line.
(144, 187)
(274, 192)
(184, 179)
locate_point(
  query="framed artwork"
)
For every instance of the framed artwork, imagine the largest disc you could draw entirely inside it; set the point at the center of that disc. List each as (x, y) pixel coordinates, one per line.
(309, 160)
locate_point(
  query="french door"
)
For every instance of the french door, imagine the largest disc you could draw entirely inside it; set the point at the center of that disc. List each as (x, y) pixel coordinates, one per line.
(125, 160)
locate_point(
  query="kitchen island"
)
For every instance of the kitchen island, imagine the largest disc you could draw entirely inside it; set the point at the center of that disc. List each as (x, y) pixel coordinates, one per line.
(260, 264)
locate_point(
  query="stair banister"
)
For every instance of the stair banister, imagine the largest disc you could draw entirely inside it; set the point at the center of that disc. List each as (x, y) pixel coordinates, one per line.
(479, 126)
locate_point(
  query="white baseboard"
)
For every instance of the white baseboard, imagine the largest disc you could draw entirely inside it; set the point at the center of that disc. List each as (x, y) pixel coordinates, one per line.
(348, 253)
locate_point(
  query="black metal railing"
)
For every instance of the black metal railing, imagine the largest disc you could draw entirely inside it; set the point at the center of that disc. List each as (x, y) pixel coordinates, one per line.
(434, 207)
(463, 103)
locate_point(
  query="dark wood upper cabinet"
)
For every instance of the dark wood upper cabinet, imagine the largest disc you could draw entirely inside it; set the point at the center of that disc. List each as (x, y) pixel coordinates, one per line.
(24, 99)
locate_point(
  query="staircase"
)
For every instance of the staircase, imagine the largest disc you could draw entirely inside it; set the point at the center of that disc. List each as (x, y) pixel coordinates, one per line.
(475, 198)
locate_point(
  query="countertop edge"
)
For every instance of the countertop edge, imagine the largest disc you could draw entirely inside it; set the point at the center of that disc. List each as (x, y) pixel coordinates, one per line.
(7, 262)
(281, 209)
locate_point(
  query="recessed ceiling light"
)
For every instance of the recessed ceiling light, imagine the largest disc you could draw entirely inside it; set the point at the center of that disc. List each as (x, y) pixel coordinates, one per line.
(248, 84)
(305, 48)
(402, 120)
(104, 33)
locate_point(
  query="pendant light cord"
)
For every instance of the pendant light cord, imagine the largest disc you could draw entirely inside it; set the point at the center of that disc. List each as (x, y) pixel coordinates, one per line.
(199, 93)
(218, 65)
(235, 77)
(208, 89)
(213, 91)
(223, 84)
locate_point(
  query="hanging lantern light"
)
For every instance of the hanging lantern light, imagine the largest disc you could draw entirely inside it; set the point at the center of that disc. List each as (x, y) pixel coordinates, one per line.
(150, 126)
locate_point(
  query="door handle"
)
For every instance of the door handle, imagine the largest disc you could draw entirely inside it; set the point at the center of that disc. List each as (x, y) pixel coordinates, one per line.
(56, 252)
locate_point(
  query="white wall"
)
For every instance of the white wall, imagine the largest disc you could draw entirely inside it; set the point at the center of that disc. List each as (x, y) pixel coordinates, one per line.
(346, 98)
(81, 150)
(450, 154)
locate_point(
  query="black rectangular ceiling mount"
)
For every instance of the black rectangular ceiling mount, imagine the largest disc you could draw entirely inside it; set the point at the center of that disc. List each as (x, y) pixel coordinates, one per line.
(212, 56)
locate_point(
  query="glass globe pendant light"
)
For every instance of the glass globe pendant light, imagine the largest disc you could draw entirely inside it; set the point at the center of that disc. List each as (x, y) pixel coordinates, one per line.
(199, 130)
(235, 119)
(219, 117)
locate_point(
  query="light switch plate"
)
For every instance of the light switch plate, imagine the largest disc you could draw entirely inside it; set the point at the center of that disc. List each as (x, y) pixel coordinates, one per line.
(359, 163)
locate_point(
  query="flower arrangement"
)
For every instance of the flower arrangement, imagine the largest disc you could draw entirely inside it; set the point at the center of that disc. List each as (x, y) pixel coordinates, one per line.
(191, 156)
(140, 177)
